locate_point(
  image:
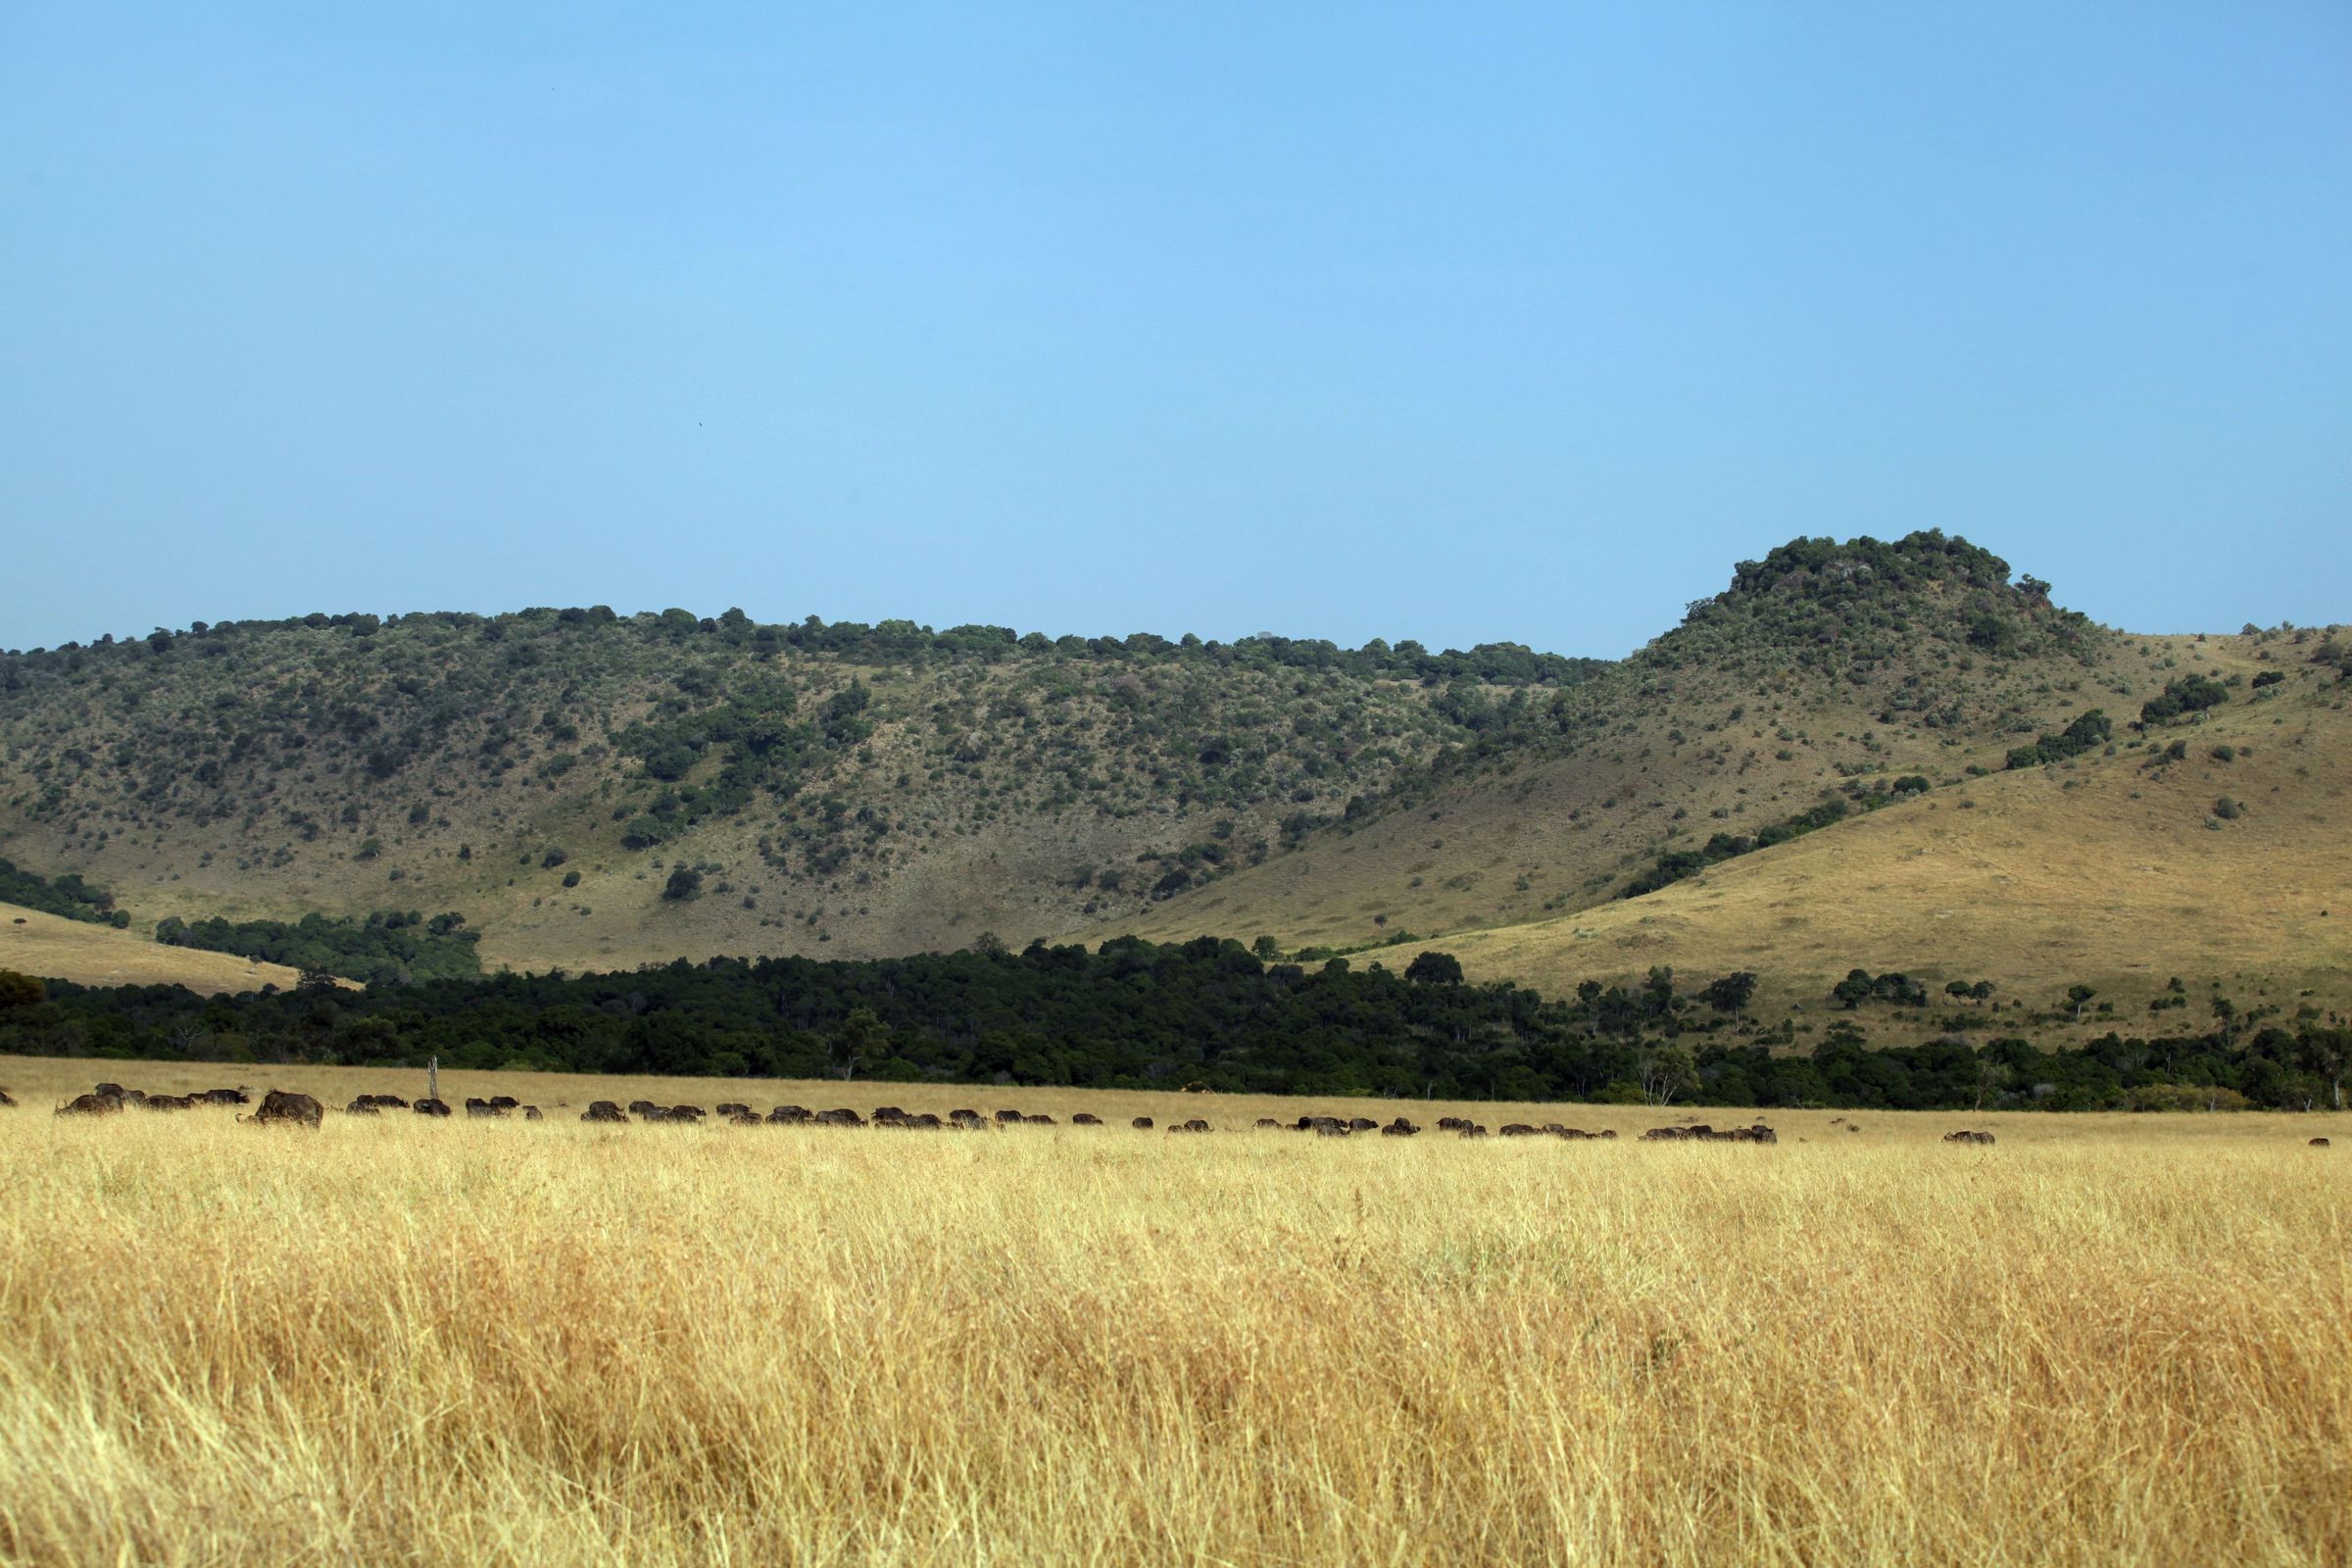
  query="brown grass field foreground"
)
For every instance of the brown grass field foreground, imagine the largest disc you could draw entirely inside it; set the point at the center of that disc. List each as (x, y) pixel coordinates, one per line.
(2105, 1340)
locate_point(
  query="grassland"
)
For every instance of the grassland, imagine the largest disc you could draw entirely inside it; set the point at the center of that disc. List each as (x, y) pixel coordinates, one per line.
(49, 945)
(2106, 1340)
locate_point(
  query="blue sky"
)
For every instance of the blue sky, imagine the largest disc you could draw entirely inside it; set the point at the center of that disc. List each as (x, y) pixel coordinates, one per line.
(1454, 323)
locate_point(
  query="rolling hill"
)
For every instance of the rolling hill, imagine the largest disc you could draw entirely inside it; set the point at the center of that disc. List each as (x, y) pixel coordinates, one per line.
(1811, 771)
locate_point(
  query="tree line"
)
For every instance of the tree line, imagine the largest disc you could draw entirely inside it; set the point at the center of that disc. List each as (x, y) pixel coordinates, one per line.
(1132, 1014)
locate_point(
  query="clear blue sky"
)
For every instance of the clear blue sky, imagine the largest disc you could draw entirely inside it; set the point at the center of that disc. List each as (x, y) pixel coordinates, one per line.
(1458, 322)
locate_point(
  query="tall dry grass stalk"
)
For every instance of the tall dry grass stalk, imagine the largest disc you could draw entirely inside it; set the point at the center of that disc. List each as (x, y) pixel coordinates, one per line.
(469, 1344)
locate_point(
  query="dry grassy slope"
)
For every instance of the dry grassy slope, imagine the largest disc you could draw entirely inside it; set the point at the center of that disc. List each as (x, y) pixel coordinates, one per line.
(2106, 871)
(1554, 833)
(57, 949)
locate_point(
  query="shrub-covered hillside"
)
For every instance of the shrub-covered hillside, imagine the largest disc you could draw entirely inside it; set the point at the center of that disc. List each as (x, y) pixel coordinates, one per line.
(583, 785)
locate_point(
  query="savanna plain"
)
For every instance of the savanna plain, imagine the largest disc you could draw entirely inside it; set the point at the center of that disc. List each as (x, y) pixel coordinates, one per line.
(2102, 1340)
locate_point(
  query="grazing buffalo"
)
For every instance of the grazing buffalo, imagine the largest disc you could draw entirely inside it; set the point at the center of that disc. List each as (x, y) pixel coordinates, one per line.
(169, 1102)
(1010, 1116)
(1399, 1128)
(505, 1102)
(962, 1113)
(1086, 1119)
(731, 1108)
(6, 1104)
(482, 1108)
(1968, 1137)
(840, 1118)
(2316, 1143)
(1516, 1129)
(790, 1114)
(1039, 1121)
(361, 1107)
(1362, 1124)
(685, 1113)
(531, 1113)
(746, 1117)
(1268, 1121)
(603, 1110)
(282, 1107)
(1453, 1124)
(1195, 1125)
(1141, 1124)
(1474, 1130)
(382, 1101)
(116, 1089)
(642, 1107)
(91, 1104)
(888, 1113)
(431, 1107)
(226, 1097)
(1331, 1127)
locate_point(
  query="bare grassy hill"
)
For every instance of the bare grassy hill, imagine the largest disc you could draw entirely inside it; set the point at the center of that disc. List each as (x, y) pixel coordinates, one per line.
(57, 949)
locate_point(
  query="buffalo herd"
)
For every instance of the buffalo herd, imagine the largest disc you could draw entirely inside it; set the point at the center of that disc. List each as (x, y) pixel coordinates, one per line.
(280, 1108)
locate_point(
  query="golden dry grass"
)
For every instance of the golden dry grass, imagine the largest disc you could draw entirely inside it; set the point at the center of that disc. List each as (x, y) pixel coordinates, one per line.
(2104, 872)
(2107, 1340)
(57, 949)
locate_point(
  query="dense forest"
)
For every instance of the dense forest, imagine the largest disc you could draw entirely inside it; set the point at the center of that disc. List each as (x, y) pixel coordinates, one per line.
(1136, 1015)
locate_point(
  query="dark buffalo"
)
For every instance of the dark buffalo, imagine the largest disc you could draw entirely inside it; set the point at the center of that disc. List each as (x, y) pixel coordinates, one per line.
(226, 1097)
(746, 1118)
(1474, 1130)
(1453, 1124)
(91, 1104)
(382, 1101)
(1010, 1115)
(506, 1102)
(1399, 1128)
(686, 1113)
(1086, 1119)
(1362, 1124)
(640, 1108)
(168, 1103)
(1195, 1125)
(841, 1118)
(6, 1102)
(1268, 1121)
(116, 1089)
(2316, 1143)
(961, 1115)
(482, 1108)
(431, 1107)
(887, 1114)
(282, 1107)
(1039, 1121)
(603, 1110)
(1140, 1124)
(531, 1113)
(731, 1108)
(1968, 1137)
(1517, 1129)
(789, 1114)
(361, 1107)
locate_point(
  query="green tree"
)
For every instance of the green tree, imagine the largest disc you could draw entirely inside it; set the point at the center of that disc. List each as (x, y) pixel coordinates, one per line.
(1854, 990)
(1435, 969)
(685, 884)
(2080, 997)
(861, 1038)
